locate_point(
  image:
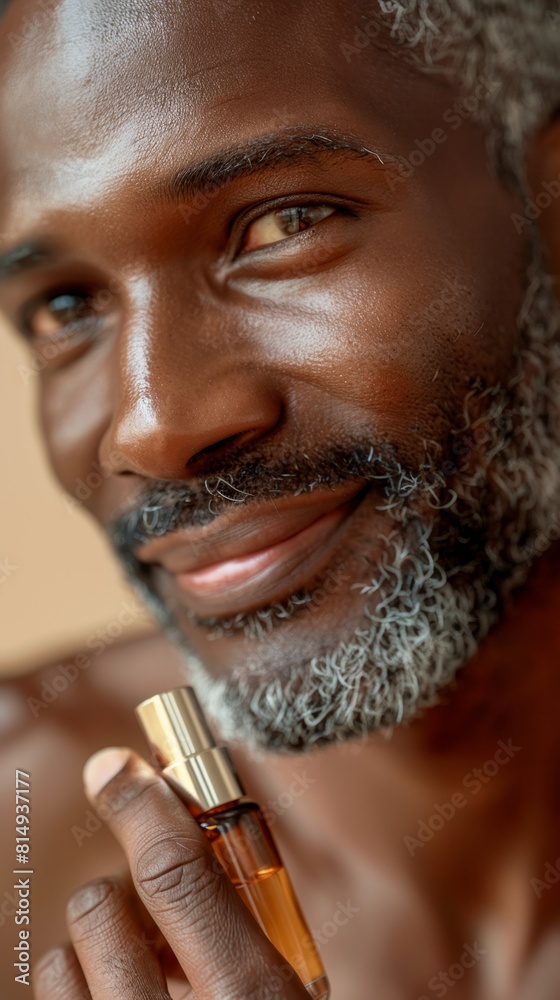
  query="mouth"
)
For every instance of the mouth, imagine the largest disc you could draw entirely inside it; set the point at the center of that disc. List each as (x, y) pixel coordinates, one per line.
(259, 557)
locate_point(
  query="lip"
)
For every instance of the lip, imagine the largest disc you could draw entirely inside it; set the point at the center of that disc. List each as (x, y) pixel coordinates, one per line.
(259, 556)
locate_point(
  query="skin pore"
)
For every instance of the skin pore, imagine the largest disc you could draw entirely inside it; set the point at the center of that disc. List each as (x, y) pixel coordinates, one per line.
(205, 357)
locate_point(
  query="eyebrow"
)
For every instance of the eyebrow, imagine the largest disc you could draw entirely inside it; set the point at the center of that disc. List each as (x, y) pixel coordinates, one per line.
(27, 255)
(289, 145)
(208, 176)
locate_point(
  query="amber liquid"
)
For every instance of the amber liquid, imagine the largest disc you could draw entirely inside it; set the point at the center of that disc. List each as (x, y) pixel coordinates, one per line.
(242, 842)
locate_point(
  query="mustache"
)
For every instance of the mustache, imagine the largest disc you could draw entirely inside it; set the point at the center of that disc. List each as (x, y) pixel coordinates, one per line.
(163, 507)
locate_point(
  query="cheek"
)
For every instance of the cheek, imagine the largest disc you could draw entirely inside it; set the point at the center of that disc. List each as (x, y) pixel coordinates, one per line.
(75, 407)
(393, 340)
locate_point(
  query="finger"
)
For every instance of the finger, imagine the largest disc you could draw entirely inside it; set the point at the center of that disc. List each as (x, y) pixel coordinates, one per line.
(218, 943)
(58, 976)
(111, 945)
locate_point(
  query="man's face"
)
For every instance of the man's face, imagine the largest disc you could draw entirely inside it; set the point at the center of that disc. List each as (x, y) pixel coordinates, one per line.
(274, 368)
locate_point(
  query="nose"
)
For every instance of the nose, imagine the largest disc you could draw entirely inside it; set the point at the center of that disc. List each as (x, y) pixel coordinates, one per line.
(181, 397)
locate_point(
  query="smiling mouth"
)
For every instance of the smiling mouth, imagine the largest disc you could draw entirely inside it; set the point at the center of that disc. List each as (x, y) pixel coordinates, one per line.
(261, 561)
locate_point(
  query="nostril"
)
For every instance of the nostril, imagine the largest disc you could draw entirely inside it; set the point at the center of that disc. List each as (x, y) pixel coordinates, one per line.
(211, 449)
(227, 448)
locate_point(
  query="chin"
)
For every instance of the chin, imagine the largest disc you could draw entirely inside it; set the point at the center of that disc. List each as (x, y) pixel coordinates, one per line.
(337, 675)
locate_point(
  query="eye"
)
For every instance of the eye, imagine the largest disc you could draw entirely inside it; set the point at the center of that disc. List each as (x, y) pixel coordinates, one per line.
(281, 223)
(64, 313)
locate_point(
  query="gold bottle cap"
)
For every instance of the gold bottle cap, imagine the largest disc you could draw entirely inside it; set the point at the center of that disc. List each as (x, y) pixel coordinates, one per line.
(202, 772)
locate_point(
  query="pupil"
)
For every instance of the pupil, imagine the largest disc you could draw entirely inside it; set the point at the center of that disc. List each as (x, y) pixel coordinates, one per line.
(67, 305)
(295, 222)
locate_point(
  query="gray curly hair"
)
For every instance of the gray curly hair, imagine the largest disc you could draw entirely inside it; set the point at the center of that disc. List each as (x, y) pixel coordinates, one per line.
(515, 42)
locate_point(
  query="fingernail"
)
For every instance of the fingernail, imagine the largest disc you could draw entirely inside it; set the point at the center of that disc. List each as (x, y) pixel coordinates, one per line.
(101, 767)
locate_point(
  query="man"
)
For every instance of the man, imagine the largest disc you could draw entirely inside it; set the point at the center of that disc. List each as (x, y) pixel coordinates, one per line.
(292, 268)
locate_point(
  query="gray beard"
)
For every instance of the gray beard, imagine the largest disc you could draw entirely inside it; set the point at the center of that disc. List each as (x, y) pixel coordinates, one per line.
(455, 549)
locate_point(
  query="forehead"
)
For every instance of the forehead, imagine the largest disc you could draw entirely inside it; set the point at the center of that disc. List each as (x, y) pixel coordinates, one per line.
(92, 89)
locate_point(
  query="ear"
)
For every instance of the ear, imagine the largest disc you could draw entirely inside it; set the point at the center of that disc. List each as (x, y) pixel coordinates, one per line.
(543, 171)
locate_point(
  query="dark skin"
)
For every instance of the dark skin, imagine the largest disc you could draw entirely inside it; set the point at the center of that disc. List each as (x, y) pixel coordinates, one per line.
(294, 322)
(314, 334)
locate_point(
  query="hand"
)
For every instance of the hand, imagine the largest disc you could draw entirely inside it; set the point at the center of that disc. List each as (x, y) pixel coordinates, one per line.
(215, 939)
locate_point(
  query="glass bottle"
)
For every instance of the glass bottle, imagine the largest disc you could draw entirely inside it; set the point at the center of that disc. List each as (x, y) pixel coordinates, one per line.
(204, 776)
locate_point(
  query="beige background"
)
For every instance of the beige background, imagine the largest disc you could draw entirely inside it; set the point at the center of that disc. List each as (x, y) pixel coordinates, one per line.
(58, 580)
